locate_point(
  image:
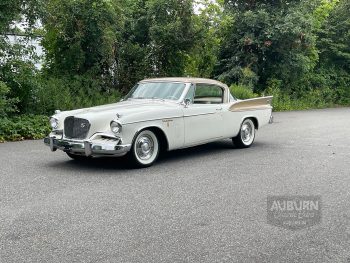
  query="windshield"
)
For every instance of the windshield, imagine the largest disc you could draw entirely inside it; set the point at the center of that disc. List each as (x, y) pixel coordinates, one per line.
(157, 90)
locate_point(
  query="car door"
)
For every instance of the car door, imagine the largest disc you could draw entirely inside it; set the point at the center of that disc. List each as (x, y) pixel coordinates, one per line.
(203, 116)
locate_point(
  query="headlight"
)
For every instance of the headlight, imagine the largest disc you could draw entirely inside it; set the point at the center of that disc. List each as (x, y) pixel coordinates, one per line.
(54, 123)
(116, 127)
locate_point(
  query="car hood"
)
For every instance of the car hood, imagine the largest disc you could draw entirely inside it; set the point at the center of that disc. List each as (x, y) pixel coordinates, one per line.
(128, 111)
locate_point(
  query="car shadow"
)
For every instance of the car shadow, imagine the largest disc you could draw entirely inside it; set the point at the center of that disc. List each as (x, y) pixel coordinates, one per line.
(92, 164)
(197, 152)
(122, 163)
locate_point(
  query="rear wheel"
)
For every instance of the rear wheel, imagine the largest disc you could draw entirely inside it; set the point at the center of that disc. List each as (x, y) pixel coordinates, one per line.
(145, 149)
(246, 135)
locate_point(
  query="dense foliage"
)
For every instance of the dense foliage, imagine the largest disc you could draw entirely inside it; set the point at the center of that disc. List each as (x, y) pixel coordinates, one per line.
(95, 50)
(156, 37)
(24, 127)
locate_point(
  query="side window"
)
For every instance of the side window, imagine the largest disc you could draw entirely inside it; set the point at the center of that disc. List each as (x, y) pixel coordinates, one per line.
(190, 93)
(208, 94)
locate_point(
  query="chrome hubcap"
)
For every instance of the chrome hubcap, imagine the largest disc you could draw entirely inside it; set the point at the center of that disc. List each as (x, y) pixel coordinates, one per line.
(145, 147)
(247, 132)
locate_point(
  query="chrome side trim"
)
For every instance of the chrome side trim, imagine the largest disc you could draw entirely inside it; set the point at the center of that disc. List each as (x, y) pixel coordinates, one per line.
(158, 119)
(200, 114)
(173, 117)
(252, 109)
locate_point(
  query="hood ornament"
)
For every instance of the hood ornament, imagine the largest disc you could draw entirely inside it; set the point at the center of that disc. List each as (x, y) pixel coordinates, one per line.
(118, 116)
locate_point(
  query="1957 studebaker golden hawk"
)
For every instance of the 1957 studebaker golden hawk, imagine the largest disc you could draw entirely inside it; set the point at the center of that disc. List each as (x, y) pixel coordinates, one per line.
(159, 114)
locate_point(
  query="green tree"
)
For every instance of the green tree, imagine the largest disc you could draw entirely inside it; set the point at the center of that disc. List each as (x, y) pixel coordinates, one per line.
(17, 59)
(7, 105)
(171, 34)
(81, 36)
(201, 59)
(17, 10)
(267, 39)
(134, 56)
(156, 38)
(12, 11)
(334, 48)
(334, 37)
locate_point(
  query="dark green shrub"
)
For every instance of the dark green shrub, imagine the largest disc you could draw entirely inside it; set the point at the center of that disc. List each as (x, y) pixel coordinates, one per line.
(71, 93)
(24, 127)
(309, 99)
(242, 92)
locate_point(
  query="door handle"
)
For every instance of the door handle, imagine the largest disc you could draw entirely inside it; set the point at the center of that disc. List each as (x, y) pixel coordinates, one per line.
(219, 108)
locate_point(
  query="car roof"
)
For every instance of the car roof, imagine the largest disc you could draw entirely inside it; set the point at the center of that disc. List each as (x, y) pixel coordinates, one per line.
(186, 80)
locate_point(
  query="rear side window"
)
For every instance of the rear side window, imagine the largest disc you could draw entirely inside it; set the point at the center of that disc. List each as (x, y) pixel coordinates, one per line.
(208, 94)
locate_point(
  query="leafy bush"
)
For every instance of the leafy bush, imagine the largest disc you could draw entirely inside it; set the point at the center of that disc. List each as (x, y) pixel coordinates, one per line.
(24, 127)
(71, 93)
(242, 92)
(311, 99)
(49, 94)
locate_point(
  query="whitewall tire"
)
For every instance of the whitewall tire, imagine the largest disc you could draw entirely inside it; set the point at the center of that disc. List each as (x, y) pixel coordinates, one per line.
(145, 149)
(246, 135)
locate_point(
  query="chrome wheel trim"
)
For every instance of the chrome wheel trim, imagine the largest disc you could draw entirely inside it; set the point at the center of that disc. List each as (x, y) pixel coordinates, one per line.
(247, 132)
(146, 147)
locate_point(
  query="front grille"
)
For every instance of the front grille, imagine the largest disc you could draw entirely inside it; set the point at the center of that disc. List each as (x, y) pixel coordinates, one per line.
(76, 128)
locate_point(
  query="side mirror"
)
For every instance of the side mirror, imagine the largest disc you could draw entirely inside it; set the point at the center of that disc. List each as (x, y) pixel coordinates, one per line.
(187, 102)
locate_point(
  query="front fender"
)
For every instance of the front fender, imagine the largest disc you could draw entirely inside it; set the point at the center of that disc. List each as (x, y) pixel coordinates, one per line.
(173, 129)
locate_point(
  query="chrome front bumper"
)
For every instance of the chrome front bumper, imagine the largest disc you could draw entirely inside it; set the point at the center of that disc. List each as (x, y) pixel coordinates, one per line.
(91, 147)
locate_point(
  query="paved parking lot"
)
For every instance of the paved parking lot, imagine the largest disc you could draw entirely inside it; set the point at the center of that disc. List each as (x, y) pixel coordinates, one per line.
(204, 204)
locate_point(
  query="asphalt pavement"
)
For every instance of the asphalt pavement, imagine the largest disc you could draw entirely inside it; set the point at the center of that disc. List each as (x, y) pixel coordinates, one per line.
(203, 204)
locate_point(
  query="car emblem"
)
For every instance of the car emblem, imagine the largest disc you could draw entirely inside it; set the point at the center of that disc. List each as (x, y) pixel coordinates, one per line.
(82, 125)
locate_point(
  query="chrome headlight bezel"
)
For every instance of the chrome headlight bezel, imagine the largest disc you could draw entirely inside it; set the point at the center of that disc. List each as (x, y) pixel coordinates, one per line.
(54, 123)
(116, 127)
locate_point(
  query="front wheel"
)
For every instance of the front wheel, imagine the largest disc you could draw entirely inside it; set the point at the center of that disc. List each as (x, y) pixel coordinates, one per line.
(145, 149)
(246, 135)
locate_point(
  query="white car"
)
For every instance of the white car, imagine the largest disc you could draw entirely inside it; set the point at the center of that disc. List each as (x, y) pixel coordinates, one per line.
(159, 114)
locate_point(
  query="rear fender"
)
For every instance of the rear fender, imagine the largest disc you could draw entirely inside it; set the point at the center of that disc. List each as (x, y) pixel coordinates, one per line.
(252, 104)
